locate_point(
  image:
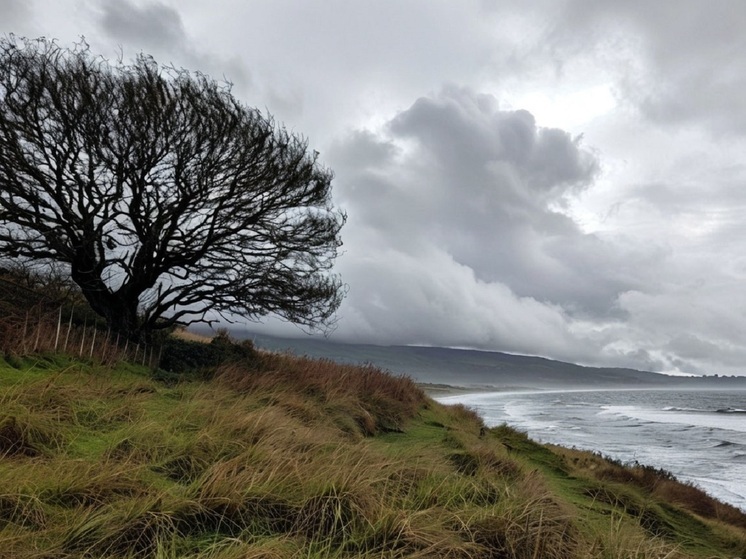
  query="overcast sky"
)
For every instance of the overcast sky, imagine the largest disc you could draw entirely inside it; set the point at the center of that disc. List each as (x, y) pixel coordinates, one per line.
(555, 178)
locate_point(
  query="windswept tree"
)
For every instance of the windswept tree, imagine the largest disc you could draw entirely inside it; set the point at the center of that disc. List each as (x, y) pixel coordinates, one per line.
(167, 199)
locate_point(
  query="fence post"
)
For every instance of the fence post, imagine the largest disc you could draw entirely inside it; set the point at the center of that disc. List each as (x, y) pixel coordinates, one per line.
(93, 341)
(69, 327)
(106, 345)
(59, 325)
(82, 339)
(25, 331)
(38, 332)
(116, 348)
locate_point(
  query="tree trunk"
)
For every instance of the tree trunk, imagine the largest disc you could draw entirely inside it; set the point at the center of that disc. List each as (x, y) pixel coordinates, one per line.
(123, 319)
(119, 308)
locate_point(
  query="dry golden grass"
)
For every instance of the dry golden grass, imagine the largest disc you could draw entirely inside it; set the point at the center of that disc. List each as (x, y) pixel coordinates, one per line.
(375, 400)
(189, 336)
(285, 457)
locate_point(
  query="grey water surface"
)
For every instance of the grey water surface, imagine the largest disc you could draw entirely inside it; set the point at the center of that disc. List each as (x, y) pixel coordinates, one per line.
(698, 435)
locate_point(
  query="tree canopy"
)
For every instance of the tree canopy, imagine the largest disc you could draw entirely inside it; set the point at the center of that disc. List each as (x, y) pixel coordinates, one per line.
(167, 198)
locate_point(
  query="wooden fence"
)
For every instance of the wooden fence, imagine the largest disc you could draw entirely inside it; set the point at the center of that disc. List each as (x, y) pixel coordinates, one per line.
(42, 330)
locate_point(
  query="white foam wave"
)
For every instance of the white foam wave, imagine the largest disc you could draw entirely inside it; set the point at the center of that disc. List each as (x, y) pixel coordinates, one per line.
(679, 417)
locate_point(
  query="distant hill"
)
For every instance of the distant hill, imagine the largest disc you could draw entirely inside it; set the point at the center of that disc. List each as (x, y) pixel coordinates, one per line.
(473, 368)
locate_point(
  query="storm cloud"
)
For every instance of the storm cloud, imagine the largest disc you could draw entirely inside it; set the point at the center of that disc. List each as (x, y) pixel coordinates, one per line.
(151, 25)
(457, 236)
(562, 179)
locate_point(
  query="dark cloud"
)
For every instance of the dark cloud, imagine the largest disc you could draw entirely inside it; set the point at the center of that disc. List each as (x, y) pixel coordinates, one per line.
(151, 26)
(362, 150)
(464, 132)
(484, 186)
(456, 234)
(157, 29)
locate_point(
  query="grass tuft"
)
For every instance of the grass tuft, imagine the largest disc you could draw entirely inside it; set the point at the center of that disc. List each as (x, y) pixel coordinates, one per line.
(22, 510)
(134, 529)
(24, 434)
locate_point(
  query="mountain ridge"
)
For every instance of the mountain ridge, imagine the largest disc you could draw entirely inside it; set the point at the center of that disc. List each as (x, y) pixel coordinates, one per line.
(478, 368)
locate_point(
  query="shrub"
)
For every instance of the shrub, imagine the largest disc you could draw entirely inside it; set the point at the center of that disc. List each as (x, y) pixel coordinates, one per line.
(187, 357)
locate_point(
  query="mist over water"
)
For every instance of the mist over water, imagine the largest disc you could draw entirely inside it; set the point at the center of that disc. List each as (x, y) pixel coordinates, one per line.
(699, 436)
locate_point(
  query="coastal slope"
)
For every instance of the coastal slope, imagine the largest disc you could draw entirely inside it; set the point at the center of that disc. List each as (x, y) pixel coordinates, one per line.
(277, 456)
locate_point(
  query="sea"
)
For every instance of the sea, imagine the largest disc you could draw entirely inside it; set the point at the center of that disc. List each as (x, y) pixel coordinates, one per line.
(699, 436)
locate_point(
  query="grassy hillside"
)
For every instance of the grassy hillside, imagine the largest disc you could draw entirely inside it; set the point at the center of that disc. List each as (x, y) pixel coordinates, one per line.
(277, 456)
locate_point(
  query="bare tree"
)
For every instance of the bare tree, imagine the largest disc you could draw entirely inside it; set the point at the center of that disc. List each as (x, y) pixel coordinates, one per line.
(167, 198)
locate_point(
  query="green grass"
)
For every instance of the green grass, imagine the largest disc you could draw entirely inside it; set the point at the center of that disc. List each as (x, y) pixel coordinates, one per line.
(286, 457)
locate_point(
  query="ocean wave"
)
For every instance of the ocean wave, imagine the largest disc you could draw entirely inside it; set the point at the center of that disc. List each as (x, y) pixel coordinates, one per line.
(697, 436)
(737, 448)
(677, 409)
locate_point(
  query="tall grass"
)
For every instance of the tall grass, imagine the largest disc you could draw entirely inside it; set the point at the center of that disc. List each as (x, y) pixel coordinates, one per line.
(377, 401)
(279, 456)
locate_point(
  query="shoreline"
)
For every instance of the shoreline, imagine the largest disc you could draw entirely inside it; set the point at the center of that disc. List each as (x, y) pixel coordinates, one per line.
(720, 487)
(439, 390)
